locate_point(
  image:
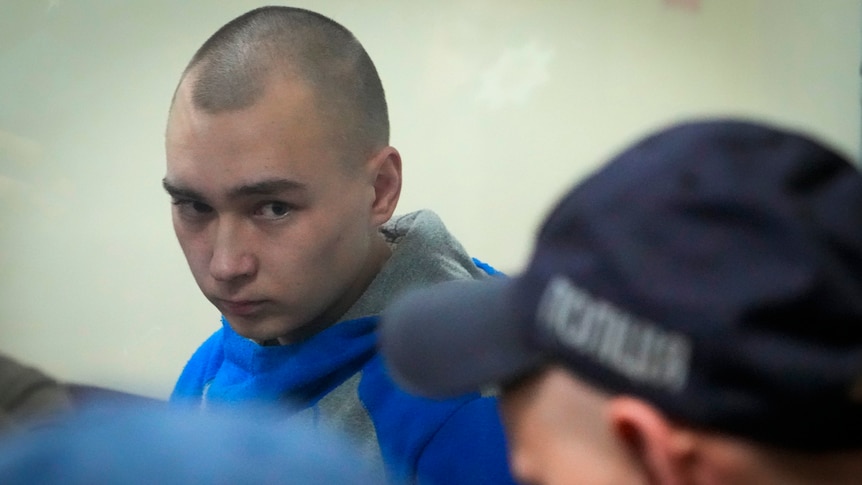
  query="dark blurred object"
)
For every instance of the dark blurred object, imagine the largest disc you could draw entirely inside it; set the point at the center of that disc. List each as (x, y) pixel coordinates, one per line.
(82, 394)
(29, 397)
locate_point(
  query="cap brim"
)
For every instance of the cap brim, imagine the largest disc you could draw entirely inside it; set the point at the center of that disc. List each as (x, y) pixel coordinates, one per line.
(455, 337)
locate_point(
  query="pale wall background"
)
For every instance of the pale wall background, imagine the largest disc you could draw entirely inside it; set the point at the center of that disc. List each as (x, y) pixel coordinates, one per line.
(497, 107)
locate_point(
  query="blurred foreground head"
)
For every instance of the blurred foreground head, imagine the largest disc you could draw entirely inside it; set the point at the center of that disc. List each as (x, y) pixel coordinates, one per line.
(149, 443)
(692, 313)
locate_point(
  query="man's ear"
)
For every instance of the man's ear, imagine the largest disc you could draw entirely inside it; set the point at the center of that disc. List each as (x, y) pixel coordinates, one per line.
(385, 170)
(663, 451)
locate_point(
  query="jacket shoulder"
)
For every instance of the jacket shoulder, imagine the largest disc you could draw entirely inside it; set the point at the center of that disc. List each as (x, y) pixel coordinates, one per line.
(200, 369)
(456, 440)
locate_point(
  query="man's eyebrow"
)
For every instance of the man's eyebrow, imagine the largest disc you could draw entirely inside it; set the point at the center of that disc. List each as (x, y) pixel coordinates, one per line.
(180, 192)
(264, 187)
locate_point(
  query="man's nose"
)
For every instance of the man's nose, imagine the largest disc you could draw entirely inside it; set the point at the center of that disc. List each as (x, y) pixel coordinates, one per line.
(232, 256)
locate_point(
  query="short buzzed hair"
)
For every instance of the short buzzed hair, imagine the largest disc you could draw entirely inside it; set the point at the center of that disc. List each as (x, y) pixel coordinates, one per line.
(231, 70)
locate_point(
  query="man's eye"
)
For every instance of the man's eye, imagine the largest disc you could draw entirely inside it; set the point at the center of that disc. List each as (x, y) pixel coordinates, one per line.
(201, 208)
(192, 207)
(274, 210)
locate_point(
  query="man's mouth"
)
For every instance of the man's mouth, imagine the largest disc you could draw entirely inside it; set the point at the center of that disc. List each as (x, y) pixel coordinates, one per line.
(241, 308)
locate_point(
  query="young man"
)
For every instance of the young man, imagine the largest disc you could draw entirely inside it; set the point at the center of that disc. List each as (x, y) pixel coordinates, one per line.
(692, 314)
(283, 185)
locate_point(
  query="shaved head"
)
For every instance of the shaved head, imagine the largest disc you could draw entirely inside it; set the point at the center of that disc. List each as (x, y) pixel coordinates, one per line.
(280, 46)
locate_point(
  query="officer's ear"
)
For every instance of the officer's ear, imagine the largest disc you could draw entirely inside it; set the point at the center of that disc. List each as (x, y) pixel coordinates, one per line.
(664, 452)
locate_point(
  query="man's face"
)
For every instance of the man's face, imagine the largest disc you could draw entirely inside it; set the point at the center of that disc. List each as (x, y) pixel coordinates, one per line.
(554, 431)
(276, 229)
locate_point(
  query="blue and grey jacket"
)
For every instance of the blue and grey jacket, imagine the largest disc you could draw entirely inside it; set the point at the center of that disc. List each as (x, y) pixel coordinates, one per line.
(337, 379)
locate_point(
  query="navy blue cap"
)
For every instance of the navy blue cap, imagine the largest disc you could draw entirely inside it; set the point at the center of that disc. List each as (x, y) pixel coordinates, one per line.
(714, 269)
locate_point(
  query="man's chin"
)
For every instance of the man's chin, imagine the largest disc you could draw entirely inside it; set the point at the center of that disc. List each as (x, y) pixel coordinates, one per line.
(270, 331)
(261, 331)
